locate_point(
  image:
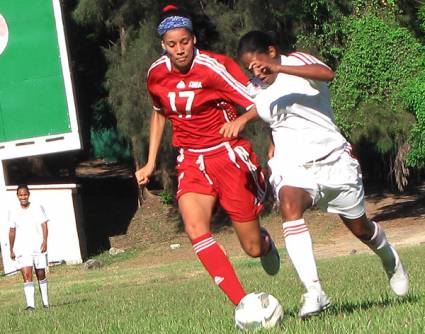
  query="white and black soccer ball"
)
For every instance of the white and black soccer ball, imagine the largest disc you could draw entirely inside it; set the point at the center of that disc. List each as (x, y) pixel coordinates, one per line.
(258, 310)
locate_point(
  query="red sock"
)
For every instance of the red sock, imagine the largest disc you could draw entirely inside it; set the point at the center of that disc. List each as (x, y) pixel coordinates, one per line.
(219, 267)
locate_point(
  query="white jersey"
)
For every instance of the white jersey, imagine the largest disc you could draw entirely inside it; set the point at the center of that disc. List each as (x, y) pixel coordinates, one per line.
(27, 222)
(299, 114)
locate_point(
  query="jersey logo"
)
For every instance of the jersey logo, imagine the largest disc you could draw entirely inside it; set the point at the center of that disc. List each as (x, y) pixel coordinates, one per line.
(181, 85)
(195, 84)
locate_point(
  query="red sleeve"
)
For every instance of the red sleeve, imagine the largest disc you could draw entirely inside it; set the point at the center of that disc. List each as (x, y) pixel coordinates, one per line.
(229, 79)
(235, 70)
(155, 98)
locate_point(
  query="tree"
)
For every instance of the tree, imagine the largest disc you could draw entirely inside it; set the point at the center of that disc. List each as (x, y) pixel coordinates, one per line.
(376, 68)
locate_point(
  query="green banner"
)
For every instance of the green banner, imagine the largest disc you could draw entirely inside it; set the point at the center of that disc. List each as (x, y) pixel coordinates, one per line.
(32, 93)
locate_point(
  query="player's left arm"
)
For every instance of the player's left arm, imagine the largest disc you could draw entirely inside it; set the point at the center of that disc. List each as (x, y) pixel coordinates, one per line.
(43, 218)
(235, 89)
(12, 236)
(45, 231)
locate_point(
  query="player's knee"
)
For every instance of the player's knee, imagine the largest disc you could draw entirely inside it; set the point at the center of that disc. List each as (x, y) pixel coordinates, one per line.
(194, 231)
(291, 211)
(361, 228)
(28, 278)
(41, 275)
(252, 249)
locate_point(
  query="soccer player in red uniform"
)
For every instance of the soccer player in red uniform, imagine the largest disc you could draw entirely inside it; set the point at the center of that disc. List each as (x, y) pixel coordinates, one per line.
(197, 90)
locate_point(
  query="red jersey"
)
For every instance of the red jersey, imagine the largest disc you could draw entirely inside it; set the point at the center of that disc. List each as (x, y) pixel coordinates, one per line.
(200, 101)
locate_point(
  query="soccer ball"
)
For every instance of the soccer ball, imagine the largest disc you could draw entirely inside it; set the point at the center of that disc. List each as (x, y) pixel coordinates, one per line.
(258, 310)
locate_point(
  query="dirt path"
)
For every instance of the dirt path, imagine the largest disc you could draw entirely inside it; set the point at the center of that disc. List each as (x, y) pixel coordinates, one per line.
(403, 218)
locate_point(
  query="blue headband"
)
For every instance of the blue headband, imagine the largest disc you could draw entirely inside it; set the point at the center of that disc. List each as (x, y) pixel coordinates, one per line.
(173, 22)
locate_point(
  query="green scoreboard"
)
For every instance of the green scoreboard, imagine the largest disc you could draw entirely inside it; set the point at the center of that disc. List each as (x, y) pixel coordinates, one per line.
(37, 107)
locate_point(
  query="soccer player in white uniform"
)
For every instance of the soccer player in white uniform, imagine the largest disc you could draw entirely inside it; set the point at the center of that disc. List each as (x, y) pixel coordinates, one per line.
(28, 244)
(310, 161)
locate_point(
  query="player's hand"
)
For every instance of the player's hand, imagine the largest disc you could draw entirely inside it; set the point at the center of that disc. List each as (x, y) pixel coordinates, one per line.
(12, 255)
(43, 247)
(232, 129)
(261, 68)
(143, 174)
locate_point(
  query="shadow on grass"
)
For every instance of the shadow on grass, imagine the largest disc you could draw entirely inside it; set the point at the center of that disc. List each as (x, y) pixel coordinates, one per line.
(72, 302)
(351, 307)
(413, 208)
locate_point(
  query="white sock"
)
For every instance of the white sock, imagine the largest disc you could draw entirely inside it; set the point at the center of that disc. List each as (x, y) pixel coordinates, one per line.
(380, 245)
(43, 290)
(29, 293)
(300, 250)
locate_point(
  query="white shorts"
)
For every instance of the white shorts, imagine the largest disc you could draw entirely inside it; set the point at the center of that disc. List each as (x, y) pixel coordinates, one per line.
(334, 184)
(39, 261)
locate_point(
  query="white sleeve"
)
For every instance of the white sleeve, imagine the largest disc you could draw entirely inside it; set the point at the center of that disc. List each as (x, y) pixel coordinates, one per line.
(11, 219)
(43, 216)
(301, 58)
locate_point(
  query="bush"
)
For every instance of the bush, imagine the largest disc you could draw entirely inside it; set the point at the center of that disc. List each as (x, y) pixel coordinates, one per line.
(107, 144)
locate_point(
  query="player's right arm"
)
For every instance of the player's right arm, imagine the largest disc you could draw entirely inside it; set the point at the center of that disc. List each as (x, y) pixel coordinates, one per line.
(12, 235)
(156, 131)
(302, 65)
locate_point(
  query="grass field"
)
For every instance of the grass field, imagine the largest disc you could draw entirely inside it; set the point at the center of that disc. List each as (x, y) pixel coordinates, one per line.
(122, 297)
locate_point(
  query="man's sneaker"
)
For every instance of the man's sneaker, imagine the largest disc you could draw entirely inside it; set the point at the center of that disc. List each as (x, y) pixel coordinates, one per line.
(399, 281)
(271, 260)
(46, 306)
(29, 308)
(314, 303)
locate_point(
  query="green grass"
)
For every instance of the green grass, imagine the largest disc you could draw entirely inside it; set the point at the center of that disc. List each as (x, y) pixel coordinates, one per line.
(123, 297)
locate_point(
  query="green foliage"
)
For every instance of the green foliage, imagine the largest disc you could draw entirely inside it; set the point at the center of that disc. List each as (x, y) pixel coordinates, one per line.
(379, 60)
(107, 144)
(421, 17)
(325, 32)
(166, 197)
(414, 97)
(126, 83)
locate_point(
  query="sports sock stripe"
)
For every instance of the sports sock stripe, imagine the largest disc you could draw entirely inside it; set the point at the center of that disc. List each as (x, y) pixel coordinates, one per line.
(200, 246)
(295, 233)
(294, 229)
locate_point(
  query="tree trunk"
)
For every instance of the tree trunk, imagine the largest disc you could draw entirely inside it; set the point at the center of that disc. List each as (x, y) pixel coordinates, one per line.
(123, 40)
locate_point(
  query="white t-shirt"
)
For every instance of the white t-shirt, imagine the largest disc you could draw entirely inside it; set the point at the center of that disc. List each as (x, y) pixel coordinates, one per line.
(27, 222)
(299, 114)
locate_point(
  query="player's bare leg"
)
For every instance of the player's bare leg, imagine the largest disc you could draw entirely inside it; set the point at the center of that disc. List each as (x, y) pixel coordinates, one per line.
(374, 237)
(256, 241)
(293, 203)
(196, 210)
(42, 284)
(28, 287)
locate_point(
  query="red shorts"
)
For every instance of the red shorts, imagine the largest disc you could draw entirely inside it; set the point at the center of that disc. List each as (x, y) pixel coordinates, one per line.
(228, 171)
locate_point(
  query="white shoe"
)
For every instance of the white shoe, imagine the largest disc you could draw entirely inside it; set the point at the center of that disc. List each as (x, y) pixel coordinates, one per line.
(314, 303)
(399, 281)
(271, 260)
